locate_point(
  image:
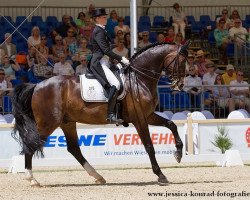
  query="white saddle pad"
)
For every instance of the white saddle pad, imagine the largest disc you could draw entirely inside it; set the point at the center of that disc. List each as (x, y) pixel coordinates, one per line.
(92, 90)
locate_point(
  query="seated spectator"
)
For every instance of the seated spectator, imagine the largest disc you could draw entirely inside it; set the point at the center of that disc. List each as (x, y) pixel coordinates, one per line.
(145, 40)
(179, 39)
(238, 33)
(42, 70)
(224, 16)
(86, 32)
(31, 57)
(119, 35)
(222, 38)
(81, 69)
(80, 20)
(112, 22)
(233, 16)
(90, 10)
(4, 84)
(58, 48)
(66, 24)
(9, 67)
(120, 49)
(209, 77)
(179, 20)
(53, 35)
(192, 85)
(160, 38)
(63, 67)
(201, 62)
(170, 35)
(70, 42)
(42, 47)
(121, 26)
(190, 63)
(229, 75)
(2, 54)
(240, 94)
(127, 43)
(83, 49)
(35, 38)
(8, 47)
(222, 95)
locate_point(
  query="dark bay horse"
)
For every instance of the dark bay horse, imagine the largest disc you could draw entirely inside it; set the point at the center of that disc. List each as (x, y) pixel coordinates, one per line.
(39, 109)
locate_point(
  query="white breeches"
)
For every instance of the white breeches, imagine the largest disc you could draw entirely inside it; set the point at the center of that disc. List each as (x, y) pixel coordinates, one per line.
(179, 27)
(109, 74)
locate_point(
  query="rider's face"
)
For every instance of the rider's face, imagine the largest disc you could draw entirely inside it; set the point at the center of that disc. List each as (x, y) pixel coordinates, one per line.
(102, 20)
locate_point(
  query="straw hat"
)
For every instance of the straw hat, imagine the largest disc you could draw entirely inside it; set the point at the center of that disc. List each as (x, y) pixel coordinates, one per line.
(199, 53)
(230, 67)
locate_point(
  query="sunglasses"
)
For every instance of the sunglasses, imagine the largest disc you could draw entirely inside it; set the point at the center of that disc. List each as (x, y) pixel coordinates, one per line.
(71, 32)
(58, 40)
(224, 13)
(191, 70)
(2, 74)
(84, 60)
(144, 35)
(43, 38)
(218, 79)
(240, 74)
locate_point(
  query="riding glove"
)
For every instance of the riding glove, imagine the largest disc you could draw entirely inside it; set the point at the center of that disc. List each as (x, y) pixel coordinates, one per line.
(125, 61)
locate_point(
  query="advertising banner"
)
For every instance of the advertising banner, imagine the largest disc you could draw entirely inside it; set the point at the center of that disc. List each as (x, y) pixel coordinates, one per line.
(101, 145)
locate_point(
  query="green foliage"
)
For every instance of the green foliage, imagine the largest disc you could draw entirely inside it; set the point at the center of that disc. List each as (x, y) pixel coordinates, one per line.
(222, 140)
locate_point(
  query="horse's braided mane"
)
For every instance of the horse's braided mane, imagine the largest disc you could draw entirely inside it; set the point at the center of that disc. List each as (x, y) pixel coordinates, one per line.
(148, 47)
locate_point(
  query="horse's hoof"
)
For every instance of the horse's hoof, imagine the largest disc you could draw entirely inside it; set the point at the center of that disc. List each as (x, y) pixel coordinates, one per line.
(100, 181)
(163, 181)
(178, 156)
(34, 183)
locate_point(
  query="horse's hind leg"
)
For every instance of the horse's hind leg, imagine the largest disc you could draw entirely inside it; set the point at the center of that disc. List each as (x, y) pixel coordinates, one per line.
(69, 130)
(28, 172)
(143, 132)
(157, 120)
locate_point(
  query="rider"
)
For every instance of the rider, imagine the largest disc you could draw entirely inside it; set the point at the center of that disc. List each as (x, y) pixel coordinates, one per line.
(101, 45)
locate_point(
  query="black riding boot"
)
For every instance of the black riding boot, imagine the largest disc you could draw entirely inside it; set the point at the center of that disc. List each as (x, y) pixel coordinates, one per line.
(113, 94)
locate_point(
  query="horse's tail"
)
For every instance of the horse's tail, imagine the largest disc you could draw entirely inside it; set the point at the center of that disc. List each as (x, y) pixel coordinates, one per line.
(25, 124)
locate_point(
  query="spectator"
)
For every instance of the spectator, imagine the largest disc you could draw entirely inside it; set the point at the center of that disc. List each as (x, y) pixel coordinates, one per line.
(239, 31)
(53, 35)
(81, 69)
(35, 38)
(209, 77)
(192, 85)
(63, 67)
(233, 16)
(66, 24)
(70, 42)
(179, 20)
(201, 63)
(86, 33)
(83, 49)
(2, 54)
(229, 75)
(121, 26)
(42, 70)
(160, 38)
(91, 8)
(170, 35)
(58, 48)
(240, 94)
(127, 43)
(8, 47)
(221, 94)
(4, 84)
(224, 16)
(80, 21)
(112, 23)
(190, 63)
(145, 40)
(42, 48)
(179, 39)
(9, 67)
(31, 57)
(121, 49)
(222, 38)
(119, 35)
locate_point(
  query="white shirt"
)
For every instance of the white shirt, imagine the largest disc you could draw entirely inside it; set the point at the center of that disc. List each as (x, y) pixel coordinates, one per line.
(8, 47)
(209, 79)
(236, 83)
(143, 44)
(192, 82)
(63, 69)
(3, 85)
(241, 32)
(122, 53)
(34, 42)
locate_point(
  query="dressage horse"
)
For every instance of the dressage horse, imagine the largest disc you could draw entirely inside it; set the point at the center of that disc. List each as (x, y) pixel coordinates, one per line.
(56, 102)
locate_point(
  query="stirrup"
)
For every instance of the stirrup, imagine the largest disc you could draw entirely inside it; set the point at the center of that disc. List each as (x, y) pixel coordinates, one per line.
(112, 119)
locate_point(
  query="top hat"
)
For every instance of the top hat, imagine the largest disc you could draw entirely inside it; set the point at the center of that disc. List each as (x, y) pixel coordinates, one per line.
(99, 12)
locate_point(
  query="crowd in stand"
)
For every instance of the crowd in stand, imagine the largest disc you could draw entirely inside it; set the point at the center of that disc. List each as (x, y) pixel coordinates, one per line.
(70, 52)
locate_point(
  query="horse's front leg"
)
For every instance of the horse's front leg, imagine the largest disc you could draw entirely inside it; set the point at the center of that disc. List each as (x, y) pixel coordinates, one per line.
(157, 120)
(143, 132)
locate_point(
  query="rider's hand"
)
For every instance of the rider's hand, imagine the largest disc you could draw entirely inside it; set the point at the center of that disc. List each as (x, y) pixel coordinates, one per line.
(125, 61)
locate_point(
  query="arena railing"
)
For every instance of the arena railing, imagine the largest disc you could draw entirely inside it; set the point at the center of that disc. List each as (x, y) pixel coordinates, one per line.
(152, 11)
(178, 101)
